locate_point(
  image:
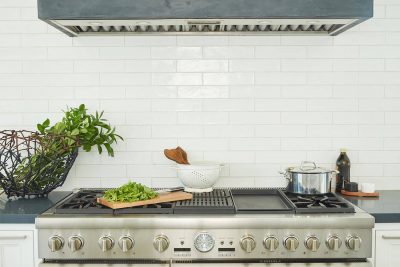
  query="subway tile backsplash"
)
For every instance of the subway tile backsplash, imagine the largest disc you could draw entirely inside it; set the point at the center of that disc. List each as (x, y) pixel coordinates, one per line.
(256, 103)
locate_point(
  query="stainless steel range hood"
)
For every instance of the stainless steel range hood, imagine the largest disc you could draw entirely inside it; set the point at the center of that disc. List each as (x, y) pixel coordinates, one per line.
(207, 17)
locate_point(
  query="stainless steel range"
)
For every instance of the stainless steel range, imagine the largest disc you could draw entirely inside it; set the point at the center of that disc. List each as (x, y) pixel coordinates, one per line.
(232, 227)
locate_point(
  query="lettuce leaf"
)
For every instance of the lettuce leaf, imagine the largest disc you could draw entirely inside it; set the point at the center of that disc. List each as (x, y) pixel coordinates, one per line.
(130, 192)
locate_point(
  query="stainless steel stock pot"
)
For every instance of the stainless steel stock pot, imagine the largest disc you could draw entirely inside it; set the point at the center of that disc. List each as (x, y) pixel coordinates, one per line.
(308, 179)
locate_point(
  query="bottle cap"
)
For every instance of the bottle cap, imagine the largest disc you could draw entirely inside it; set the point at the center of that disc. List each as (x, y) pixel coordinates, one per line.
(343, 150)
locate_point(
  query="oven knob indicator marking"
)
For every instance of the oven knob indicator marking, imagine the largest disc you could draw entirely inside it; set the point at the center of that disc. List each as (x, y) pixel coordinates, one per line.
(106, 243)
(126, 243)
(204, 242)
(312, 243)
(291, 243)
(247, 243)
(56, 243)
(334, 243)
(353, 243)
(271, 243)
(161, 243)
(75, 243)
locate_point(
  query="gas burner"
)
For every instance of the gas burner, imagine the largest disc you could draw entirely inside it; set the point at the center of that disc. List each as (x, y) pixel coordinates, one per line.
(326, 203)
(316, 202)
(83, 202)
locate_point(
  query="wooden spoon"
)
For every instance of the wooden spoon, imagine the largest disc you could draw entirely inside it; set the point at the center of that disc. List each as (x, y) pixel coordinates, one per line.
(184, 154)
(178, 155)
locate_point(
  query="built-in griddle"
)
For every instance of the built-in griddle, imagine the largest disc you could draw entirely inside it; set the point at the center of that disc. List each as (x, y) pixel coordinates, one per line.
(261, 201)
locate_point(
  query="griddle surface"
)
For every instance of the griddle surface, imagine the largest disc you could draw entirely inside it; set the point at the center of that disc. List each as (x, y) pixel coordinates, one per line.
(260, 201)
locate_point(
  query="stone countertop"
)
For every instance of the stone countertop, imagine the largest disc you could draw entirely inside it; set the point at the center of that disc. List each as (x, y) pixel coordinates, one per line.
(385, 208)
(25, 210)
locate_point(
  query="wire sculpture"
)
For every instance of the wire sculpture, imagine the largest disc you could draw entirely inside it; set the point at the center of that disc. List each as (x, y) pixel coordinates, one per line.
(32, 164)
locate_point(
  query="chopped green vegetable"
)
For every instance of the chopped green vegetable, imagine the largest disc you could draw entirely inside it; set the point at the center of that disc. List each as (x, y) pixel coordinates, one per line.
(129, 192)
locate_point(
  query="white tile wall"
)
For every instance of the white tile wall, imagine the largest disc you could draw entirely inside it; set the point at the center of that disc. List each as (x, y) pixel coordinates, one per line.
(257, 103)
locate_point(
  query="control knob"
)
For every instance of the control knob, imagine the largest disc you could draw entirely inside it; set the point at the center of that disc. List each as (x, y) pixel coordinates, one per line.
(271, 243)
(247, 243)
(353, 243)
(106, 243)
(126, 243)
(291, 243)
(312, 243)
(55, 243)
(75, 243)
(334, 243)
(161, 243)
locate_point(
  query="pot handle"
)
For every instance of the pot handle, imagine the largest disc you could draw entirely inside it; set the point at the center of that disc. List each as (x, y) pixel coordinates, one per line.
(286, 175)
(304, 166)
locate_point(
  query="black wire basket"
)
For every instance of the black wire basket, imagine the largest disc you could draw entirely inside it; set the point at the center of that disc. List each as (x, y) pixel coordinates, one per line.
(29, 164)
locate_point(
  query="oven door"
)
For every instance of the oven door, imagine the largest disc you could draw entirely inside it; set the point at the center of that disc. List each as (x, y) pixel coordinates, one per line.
(110, 264)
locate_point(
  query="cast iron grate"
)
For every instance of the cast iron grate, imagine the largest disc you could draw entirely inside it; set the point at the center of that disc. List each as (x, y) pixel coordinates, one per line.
(83, 202)
(219, 201)
(322, 203)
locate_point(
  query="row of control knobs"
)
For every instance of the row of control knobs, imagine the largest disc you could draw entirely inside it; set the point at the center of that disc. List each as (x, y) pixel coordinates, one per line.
(291, 243)
(205, 242)
(106, 243)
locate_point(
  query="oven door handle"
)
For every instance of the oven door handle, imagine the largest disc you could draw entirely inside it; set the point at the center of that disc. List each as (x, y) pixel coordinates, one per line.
(391, 236)
(8, 237)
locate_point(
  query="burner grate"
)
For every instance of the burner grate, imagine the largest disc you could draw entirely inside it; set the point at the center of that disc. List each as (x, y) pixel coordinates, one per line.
(323, 203)
(83, 202)
(219, 201)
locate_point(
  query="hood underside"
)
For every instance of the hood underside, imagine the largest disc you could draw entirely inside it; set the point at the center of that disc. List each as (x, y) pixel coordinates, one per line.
(206, 17)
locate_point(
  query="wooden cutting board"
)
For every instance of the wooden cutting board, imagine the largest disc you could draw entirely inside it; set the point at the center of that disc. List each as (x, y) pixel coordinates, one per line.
(359, 194)
(162, 197)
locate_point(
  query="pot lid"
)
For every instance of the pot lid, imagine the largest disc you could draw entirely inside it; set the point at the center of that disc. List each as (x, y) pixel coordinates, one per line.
(308, 167)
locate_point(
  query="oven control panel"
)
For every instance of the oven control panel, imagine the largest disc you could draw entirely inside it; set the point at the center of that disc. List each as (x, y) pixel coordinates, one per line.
(205, 243)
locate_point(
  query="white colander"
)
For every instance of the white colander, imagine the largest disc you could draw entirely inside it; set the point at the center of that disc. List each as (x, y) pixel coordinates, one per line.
(199, 176)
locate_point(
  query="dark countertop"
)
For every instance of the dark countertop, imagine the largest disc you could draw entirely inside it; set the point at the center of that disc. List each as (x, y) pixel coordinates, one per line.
(385, 208)
(25, 210)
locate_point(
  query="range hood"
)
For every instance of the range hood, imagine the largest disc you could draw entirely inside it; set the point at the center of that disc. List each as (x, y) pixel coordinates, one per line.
(208, 17)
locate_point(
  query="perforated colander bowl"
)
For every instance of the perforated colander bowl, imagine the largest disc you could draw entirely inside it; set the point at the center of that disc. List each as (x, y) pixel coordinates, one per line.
(199, 176)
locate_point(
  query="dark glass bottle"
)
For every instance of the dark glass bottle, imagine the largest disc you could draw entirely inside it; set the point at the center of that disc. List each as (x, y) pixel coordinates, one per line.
(343, 166)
